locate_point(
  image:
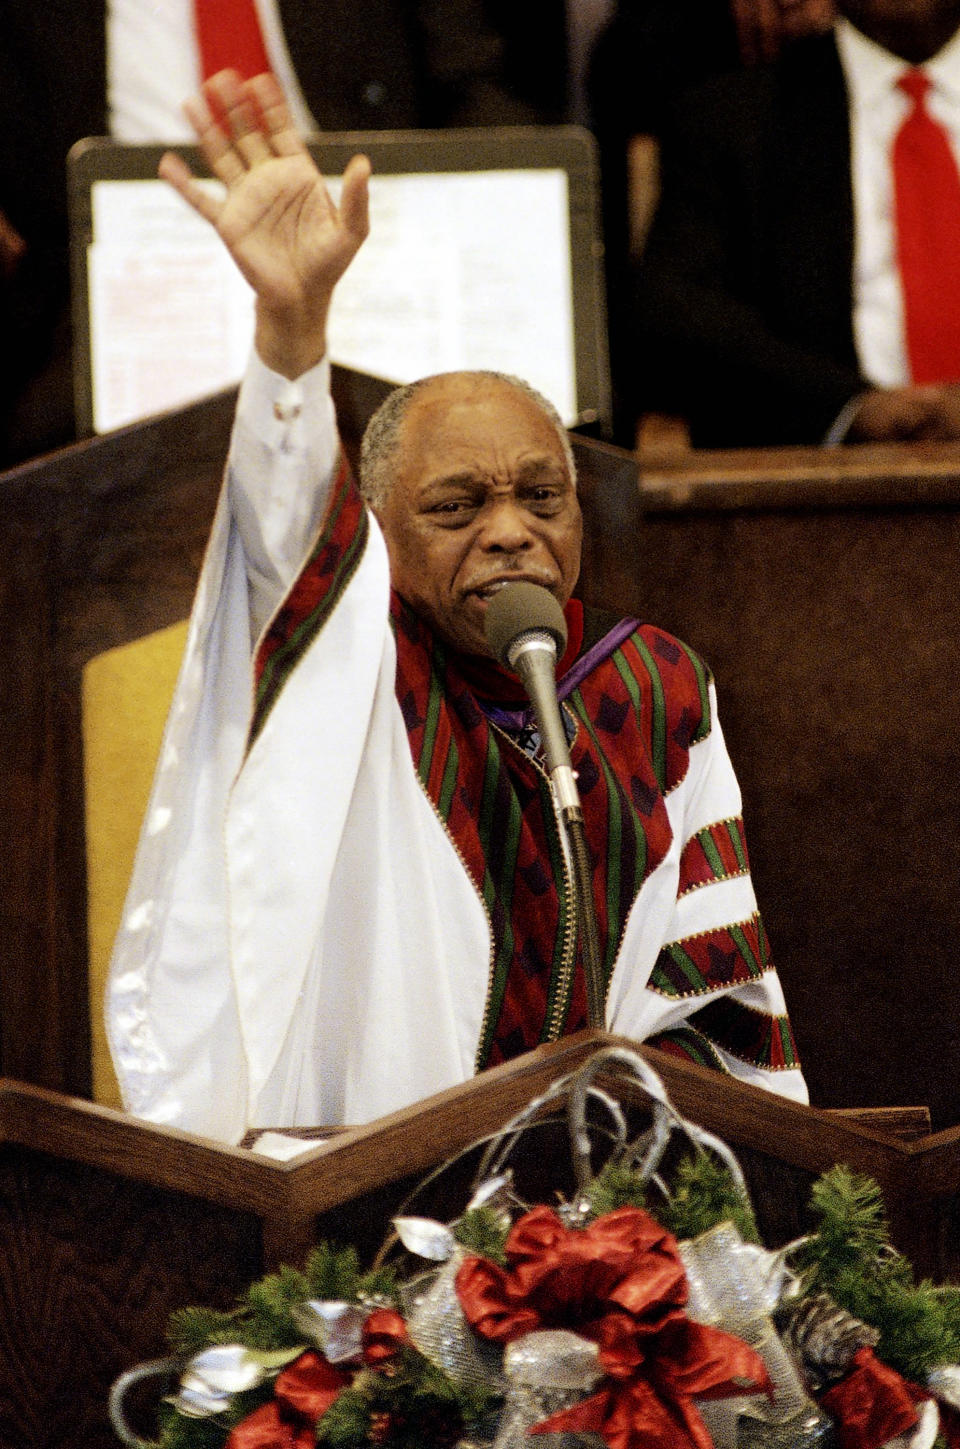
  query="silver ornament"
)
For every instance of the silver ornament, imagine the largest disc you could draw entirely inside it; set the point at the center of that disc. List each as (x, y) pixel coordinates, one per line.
(439, 1329)
(731, 1281)
(212, 1377)
(735, 1286)
(426, 1237)
(335, 1327)
(546, 1371)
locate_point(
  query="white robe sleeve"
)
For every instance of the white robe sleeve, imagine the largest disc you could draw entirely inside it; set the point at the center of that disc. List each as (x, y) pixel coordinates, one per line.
(664, 913)
(300, 943)
(282, 458)
(171, 1009)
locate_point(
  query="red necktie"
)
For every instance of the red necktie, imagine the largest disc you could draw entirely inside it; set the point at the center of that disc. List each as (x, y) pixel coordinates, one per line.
(926, 189)
(230, 38)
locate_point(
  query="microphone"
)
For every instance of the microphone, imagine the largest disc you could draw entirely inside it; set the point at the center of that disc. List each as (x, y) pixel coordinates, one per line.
(525, 631)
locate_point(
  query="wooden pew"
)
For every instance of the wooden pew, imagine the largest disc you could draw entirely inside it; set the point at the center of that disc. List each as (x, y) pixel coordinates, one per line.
(821, 588)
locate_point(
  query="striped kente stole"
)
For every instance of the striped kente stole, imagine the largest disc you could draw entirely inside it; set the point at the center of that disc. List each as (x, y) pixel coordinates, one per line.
(638, 708)
(639, 700)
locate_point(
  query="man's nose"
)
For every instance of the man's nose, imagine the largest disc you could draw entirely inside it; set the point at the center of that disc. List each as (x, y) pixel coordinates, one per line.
(505, 526)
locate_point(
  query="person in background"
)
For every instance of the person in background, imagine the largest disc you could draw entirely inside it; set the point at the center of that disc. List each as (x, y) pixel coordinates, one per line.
(798, 283)
(649, 54)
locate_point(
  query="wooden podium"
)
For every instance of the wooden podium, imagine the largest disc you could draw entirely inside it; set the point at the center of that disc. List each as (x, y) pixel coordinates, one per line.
(107, 1224)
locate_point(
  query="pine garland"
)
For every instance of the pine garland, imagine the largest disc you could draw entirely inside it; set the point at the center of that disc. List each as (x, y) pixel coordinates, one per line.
(394, 1408)
(704, 1194)
(191, 1329)
(850, 1259)
(852, 1227)
(264, 1318)
(615, 1186)
(334, 1274)
(484, 1231)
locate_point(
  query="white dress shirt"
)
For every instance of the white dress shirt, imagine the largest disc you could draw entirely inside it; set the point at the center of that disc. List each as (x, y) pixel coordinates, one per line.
(153, 66)
(877, 109)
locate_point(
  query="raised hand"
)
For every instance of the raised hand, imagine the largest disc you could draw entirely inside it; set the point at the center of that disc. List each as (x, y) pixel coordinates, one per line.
(277, 219)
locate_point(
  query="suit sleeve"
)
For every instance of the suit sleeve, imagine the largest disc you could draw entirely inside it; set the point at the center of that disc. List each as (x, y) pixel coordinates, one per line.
(720, 331)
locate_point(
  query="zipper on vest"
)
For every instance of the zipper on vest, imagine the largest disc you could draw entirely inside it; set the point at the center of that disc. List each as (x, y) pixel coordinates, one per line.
(568, 955)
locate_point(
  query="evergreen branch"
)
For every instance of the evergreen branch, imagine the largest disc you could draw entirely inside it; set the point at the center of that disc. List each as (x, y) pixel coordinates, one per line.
(190, 1330)
(705, 1194)
(484, 1231)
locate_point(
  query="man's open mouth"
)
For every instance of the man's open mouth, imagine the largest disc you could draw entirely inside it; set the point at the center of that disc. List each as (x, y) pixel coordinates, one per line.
(487, 591)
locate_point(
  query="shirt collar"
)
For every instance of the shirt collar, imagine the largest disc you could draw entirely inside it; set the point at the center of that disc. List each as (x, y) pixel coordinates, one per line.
(871, 72)
(944, 68)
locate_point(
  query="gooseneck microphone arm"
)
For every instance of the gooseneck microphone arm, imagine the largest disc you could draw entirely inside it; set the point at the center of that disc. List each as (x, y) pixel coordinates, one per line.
(533, 656)
(526, 630)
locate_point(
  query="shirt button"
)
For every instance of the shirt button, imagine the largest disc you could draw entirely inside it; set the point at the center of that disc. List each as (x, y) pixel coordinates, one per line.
(286, 412)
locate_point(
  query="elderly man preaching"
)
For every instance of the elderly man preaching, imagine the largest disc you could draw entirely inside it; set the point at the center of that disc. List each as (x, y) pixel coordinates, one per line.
(351, 889)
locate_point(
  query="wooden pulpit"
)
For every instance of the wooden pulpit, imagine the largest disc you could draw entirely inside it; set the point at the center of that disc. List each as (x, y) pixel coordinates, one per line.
(820, 589)
(108, 1224)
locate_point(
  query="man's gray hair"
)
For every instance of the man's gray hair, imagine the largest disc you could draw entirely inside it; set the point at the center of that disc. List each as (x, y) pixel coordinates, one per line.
(382, 436)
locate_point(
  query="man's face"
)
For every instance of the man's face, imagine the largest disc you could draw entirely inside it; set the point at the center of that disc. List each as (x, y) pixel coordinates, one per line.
(481, 495)
(912, 29)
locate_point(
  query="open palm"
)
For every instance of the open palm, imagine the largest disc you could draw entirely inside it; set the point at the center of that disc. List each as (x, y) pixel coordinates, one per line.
(283, 231)
(277, 219)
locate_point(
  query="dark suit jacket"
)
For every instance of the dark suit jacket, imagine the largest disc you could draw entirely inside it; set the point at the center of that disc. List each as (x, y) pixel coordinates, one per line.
(385, 64)
(52, 92)
(742, 310)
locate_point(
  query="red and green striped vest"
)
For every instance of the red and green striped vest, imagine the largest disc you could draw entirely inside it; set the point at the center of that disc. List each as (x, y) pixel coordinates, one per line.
(639, 700)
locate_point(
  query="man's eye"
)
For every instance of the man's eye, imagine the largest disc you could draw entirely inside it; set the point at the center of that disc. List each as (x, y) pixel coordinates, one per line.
(544, 498)
(452, 510)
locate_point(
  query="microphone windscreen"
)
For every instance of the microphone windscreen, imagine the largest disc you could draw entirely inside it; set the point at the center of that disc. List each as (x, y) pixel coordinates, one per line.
(522, 608)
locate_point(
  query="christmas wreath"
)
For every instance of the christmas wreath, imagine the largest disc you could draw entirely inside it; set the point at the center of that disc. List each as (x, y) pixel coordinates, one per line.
(636, 1315)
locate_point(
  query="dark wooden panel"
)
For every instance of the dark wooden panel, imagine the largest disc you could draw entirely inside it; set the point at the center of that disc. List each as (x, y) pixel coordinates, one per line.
(832, 631)
(92, 1267)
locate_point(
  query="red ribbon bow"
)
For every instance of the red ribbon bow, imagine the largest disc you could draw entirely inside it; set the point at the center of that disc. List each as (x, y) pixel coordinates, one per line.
(303, 1392)
(384, 1335)
(874, 1404)
(619, 1282)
